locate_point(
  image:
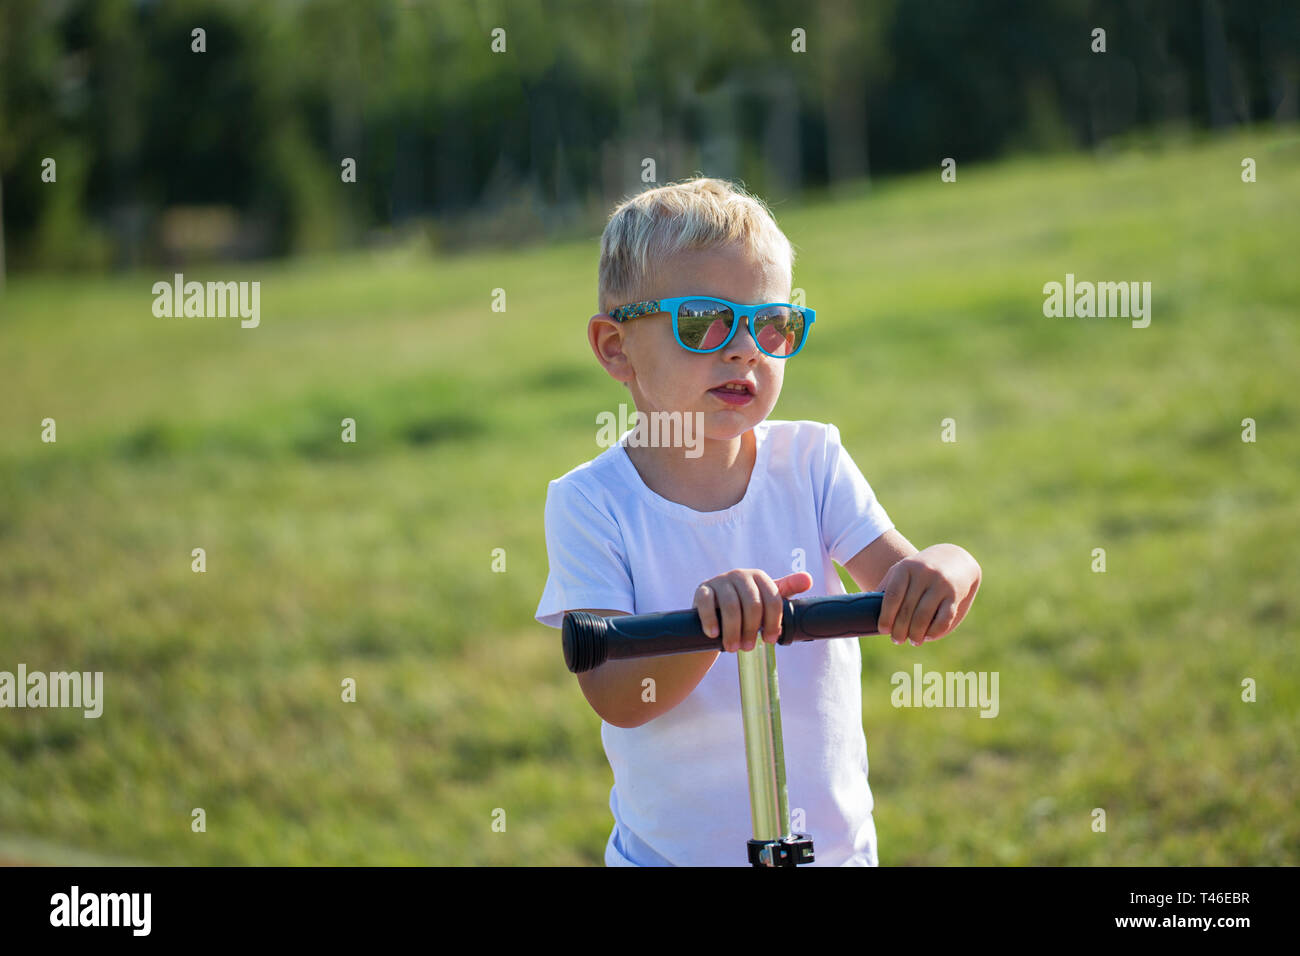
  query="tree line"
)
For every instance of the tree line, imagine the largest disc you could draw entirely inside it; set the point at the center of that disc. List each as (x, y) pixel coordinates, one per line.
(182, 128)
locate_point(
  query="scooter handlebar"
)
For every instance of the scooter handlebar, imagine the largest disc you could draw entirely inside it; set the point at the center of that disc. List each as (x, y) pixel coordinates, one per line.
(591, 640)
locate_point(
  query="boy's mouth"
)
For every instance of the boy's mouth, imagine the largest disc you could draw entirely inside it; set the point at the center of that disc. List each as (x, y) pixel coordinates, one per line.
(736, 392)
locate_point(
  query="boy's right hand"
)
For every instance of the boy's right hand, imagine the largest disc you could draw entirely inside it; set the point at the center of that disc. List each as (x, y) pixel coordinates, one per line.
(748, 600)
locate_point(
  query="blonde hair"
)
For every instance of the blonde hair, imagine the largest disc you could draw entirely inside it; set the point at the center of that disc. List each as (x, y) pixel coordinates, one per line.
(697, 213)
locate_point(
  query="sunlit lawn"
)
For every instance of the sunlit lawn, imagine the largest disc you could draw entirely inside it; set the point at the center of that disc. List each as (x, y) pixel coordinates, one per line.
(373, 561)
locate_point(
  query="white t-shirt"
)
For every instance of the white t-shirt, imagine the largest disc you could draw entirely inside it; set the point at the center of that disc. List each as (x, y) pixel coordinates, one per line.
(681, 790)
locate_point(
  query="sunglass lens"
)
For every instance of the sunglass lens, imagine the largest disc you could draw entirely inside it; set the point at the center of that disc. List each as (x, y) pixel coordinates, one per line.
(780, 330)
(703, 325)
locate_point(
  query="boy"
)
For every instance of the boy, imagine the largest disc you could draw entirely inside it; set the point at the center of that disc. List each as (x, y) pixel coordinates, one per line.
(644, 528)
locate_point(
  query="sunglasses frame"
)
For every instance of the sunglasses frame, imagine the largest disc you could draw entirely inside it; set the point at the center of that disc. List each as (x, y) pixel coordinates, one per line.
(636, 310)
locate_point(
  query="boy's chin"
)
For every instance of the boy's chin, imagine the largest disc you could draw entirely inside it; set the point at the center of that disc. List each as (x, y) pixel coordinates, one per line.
(725, 424)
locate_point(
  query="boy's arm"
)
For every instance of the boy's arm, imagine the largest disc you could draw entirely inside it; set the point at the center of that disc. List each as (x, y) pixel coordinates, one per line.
(617, 690)
(870, 565)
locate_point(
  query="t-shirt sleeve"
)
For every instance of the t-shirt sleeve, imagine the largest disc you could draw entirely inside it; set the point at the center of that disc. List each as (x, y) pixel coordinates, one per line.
(588, 566)
(851, 517)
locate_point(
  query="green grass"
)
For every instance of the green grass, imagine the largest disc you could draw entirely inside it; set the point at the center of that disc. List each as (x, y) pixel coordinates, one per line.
(373, 561)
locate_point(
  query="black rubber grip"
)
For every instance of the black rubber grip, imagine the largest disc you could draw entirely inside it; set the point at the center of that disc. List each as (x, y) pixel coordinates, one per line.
(842, 615)
(591, 640)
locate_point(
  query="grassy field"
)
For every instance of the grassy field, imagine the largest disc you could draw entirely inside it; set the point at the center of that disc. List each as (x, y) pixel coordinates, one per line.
(325, 560)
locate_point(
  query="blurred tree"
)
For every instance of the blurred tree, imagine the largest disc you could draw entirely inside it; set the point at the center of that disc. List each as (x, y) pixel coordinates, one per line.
(851, 57)
(116, 122)
(29, 56)
(442, 126)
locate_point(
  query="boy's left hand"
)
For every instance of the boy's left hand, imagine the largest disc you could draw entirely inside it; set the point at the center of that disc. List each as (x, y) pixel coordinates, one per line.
(928, 594)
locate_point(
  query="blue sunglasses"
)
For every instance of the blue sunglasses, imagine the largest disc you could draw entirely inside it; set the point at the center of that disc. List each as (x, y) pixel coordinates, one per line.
(706, 324)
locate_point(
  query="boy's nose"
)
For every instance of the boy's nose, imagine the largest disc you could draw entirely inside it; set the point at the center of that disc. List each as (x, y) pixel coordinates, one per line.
(742, 342)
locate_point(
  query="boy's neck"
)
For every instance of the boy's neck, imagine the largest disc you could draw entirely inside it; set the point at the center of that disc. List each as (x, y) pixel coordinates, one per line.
(715, 481)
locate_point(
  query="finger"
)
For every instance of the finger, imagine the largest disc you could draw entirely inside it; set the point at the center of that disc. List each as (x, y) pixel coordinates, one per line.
(923, 616)
(944, 619)
(966, 602)
(729, 607)
(903, 620)
(706, 604)
(793, 584)
(894, 586)
(751, 611)
(773, 604)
